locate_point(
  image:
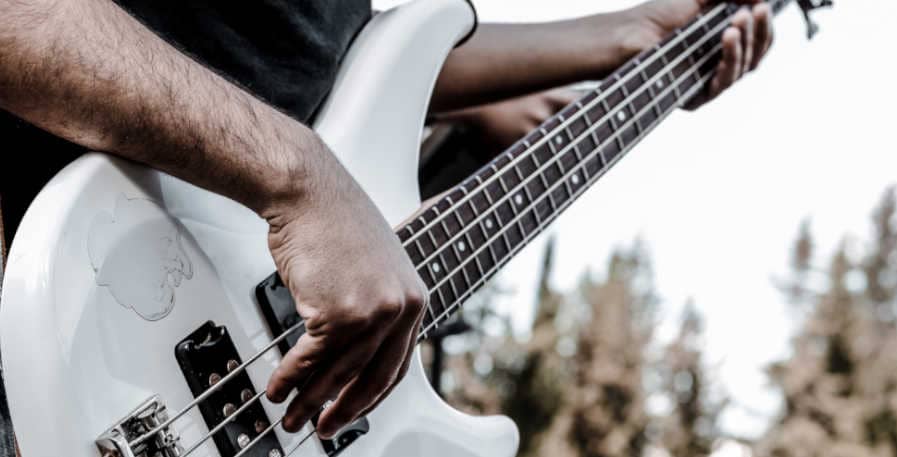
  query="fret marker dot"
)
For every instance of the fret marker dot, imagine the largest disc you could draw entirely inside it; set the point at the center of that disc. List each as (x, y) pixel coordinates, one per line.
(461, 246)
(435, 267)
(518, 199)
(575, 179)
(489, 224)
(558, 140)
(621, 115)
(660, 84)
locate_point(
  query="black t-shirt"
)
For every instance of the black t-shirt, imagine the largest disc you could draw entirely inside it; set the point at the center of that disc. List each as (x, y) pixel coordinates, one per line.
(285, 52)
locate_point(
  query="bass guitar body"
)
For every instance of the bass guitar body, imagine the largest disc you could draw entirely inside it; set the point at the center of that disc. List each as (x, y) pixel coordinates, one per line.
(129, 292)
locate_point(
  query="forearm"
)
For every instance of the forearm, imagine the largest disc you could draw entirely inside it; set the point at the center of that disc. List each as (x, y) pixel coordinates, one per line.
(506, 60)
(87, 71)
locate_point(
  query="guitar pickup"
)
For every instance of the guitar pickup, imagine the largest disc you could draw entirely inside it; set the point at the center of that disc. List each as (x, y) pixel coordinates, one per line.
(206, 356)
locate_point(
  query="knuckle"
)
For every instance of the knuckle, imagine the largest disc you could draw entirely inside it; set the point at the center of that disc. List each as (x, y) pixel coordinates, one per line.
(416, 300)
(388, 309)
(342, 378)
(340, 417)
(304, 364)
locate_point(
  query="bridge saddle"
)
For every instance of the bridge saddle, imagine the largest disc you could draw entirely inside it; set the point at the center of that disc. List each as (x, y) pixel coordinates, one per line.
(146, 417)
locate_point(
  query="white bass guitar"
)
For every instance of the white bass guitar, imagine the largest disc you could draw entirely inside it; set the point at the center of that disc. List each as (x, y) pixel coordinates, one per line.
(140, 316)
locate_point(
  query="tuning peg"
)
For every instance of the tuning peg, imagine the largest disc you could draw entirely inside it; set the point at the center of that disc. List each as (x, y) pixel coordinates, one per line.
(807, 6)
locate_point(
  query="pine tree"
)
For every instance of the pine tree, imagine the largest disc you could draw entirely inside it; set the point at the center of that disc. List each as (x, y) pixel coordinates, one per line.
(575, 387)
(690, 430)
(840, 386)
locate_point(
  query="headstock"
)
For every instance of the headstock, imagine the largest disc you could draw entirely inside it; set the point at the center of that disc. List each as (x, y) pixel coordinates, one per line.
(806, 7)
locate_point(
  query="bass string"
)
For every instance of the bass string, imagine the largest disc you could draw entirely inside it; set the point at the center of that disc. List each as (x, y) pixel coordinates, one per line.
(532, 206)
(212, 389)
(680, 36)
(556, 159)
(539, 229)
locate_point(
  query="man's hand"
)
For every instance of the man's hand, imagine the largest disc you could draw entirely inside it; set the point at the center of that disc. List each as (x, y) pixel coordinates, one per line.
(498, 125)
(502, 61)
(360, 297)
(744, 45)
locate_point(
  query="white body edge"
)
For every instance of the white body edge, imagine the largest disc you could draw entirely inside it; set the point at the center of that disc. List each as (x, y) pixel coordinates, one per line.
(76, 360)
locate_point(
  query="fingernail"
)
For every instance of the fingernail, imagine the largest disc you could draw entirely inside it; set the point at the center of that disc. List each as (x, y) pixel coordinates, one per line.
(326, 433)
(289, 426)
(275, 397)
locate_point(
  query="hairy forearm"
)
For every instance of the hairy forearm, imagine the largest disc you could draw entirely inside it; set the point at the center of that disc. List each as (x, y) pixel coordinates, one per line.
(87, 71)
(506, 60)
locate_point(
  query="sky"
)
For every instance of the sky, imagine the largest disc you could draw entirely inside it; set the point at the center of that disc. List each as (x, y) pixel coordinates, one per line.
(718, 194)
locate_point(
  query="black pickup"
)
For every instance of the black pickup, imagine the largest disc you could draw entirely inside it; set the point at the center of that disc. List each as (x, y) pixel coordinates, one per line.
(207, 355)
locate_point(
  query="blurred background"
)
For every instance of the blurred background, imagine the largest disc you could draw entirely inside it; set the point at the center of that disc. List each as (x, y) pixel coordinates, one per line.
(729, 288)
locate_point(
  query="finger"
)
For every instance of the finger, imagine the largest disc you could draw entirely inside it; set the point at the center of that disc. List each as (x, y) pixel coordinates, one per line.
(762, 34)
(729, 67)
(375, 382)
(403, 370)
(365, 389)
(326, 382)
(744, 21)
(296, 367)
(560, 98)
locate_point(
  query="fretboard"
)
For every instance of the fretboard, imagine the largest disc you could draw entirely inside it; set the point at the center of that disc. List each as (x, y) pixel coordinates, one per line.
(464, 238)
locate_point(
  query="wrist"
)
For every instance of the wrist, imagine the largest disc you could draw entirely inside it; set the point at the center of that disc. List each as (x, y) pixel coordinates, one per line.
(287, 181)
(616, 37)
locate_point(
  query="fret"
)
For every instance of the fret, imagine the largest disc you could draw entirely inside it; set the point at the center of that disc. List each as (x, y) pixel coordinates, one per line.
(691, 59)
(555, 171)
(667, 73)
(501, 182)
(479, 201)
(598, 160)
(424, 255)
(544, 181)
(469, 246)
(549, 211)
(448, 276)
(630, 109)
(487, 224)
(440, 298)
(414, 252)
(406, 233)
(653, 94)
(612, 121)
(584, 118)
(437, 301)
(561, 168)
(462, 266)
(577, 126)
(445, 260)
(432, 239)
(497, 210)
(520, 202)
(488, 243)
(429, 314)
(574, 178)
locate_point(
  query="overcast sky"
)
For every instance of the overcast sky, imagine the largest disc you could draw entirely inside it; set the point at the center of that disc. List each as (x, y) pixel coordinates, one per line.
(719, 194)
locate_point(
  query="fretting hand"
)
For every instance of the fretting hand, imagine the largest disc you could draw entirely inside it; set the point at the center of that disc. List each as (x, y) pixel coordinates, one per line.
(744, 43)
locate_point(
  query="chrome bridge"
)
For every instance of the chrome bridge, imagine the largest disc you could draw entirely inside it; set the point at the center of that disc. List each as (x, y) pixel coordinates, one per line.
(148, 416)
